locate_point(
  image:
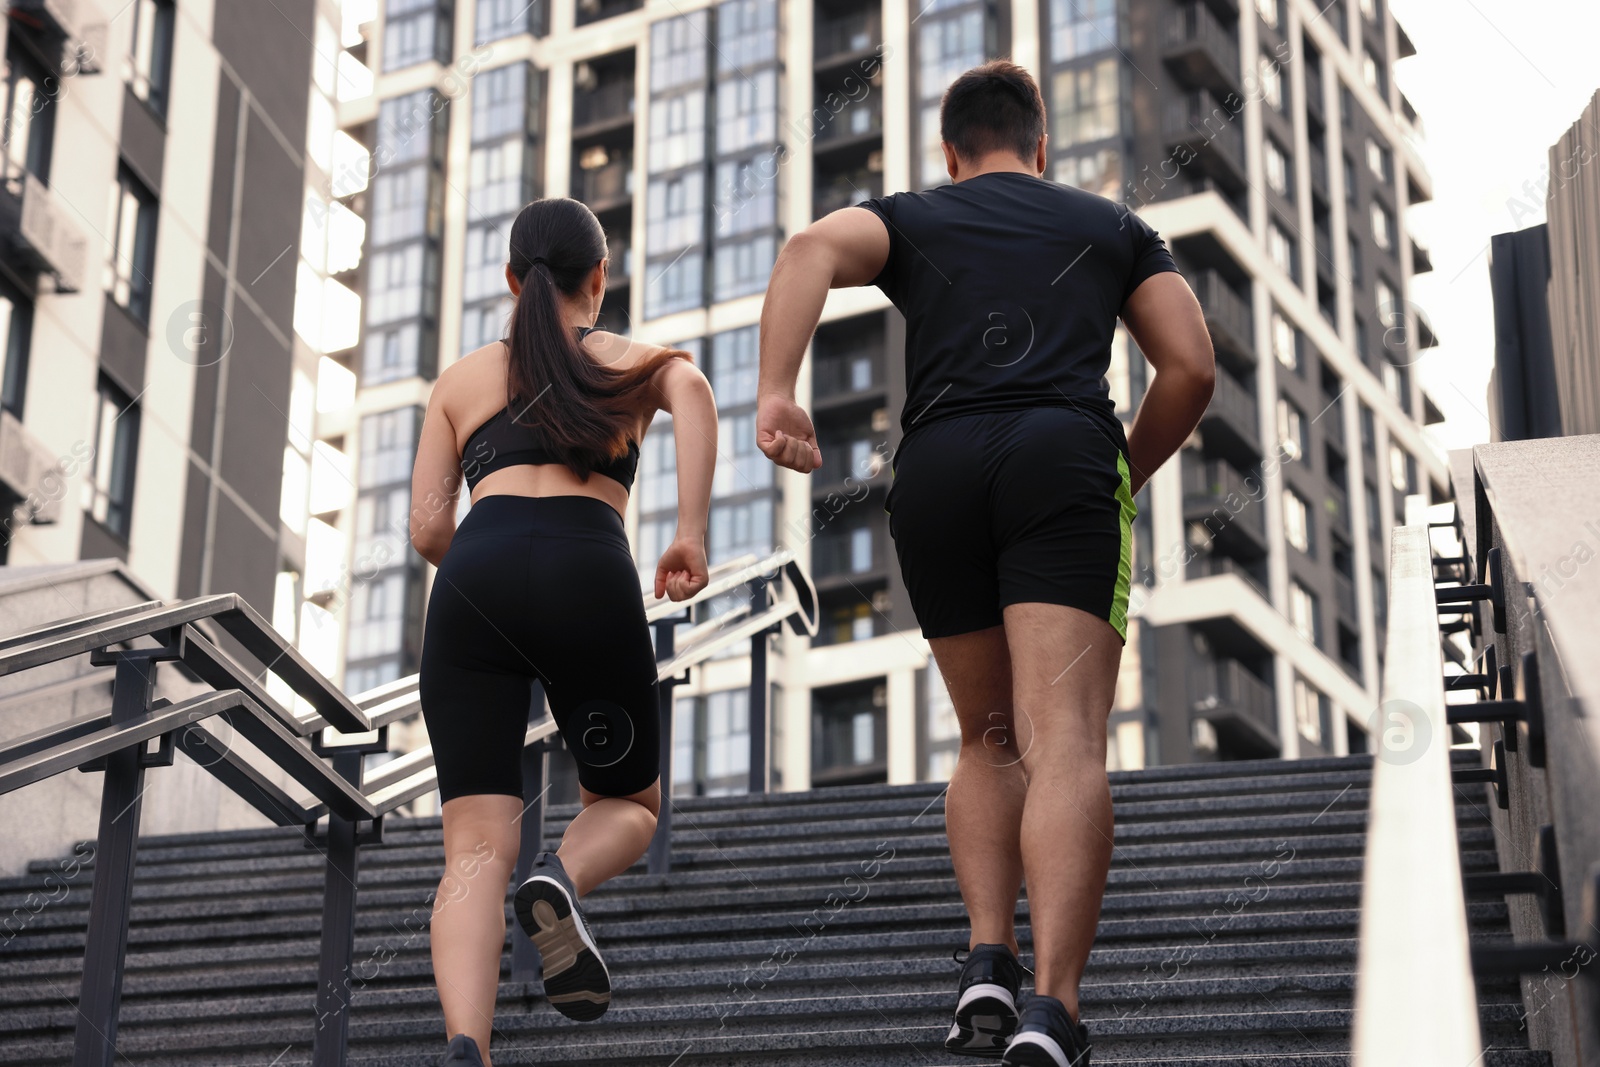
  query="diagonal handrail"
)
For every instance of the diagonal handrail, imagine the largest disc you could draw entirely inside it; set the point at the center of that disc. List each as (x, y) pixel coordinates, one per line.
(63, 640)
(1413, 907)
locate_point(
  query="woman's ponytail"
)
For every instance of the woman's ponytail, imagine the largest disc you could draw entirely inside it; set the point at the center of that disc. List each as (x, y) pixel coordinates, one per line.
(584, 411)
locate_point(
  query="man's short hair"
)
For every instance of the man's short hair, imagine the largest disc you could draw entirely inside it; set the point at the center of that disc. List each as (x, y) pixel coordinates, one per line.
(993, 107)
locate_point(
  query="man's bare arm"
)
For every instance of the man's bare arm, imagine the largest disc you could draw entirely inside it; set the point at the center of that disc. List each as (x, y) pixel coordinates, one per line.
(846, 248)
(1167, 324)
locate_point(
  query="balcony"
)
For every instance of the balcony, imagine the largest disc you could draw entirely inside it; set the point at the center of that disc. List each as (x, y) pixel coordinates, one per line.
(594, 10)
(1233, 700)
(1215, 494)
(1212, 564)
(70, 28)
(28, 474)
(847, 376)
(1332, 422)
(605, 187)
(603, 107)
(1314, 105)
(621, 270)
(1228, 317)
(838, 39)
(39, 236)
(1203, 52)
(847, 558)
(833, 191)
(861, 119)
(1229, 425)
(1206, 128)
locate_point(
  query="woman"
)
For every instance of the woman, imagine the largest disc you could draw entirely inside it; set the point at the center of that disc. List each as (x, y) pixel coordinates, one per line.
(538, 583)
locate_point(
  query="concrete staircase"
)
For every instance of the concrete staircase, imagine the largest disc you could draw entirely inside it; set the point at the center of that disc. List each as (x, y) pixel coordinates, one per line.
(811, 928)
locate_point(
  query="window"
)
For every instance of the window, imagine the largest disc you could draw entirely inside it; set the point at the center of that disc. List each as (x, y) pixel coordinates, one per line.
(674, 212)
(1388, 307)
(1371, 73)
(482, 323)
(747, 34)
(1268, 10)
(1350, 192)
(16, 334)
(1296, 521)
(412, 33)
(388, 445)
(499, 103)
(1280, 249)
(148, 64)
(1399, 469)
(744, 267)
(497, 180)
(1310, 712)
(677, 131)
(1098, 172)
(1294, 432)
(1377, 160)
(747, 111)
(736, 529)
(30, 115)
(1354, 244)
(678, 51)
(1303, 614)
(399, 208)
(133, 250)
(391, 354)
(1285, 342)
(1084, 104)
(108, 493)
(1271, 79)
(1081, 27)
(1277, 168)
(1382, 227)
(746, 196)
(405, 127)
(504, 18)
(733, 366)
(948, 43)
(484, 269)
(395, 284)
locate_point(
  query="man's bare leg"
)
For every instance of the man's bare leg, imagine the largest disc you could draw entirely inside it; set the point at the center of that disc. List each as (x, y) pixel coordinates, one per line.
(1064, 671)
(984, 806)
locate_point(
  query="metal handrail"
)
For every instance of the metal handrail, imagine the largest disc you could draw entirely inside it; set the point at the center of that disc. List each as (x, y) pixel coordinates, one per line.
(232, 612)
(1413, 908)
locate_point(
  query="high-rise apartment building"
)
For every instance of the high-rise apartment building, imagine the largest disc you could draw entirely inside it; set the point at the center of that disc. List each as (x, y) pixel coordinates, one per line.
(1265, 139)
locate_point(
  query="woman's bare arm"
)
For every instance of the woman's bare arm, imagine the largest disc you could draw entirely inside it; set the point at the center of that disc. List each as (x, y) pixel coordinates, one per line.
(435, 482)
(686, 396)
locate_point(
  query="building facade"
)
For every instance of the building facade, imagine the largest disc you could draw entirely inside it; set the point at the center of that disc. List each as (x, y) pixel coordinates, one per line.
(1265, 140)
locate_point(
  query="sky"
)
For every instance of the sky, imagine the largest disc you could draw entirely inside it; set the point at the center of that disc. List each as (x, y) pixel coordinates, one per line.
(1496, 82)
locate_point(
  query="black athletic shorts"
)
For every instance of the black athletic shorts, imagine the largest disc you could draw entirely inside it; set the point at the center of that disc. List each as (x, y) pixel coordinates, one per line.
(539, 588)
(1015, 507)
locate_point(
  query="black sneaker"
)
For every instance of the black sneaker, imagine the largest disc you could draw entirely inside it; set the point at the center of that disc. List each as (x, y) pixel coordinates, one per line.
(463, 1052)
(575, 979)
(986, 1011)
(1048, 1037)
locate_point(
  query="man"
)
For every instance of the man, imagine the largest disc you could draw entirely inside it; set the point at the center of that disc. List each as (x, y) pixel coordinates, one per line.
(1011, 508)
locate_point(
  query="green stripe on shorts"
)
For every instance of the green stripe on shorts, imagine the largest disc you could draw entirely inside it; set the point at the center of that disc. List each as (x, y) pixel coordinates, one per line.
(1119, 598)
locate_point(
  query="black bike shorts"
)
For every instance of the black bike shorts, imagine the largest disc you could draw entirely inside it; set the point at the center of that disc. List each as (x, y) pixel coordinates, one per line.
(539, 588)
(1015, 507)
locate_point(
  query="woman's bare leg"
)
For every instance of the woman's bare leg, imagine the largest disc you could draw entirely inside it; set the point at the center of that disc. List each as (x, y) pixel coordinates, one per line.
(608, 836)
(481, 838)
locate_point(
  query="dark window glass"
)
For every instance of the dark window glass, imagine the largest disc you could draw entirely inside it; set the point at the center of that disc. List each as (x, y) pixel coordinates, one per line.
(109, 490)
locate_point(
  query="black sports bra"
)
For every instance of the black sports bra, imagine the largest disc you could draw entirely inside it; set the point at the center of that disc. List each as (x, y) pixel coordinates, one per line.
(505, 443)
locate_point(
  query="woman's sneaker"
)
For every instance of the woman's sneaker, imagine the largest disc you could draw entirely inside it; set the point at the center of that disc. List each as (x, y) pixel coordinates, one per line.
(463, 1052)
(1048, 1037)
(986, 1005)
(575, 979)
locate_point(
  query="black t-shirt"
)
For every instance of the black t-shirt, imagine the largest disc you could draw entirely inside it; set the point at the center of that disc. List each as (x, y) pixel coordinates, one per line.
(1011, 286)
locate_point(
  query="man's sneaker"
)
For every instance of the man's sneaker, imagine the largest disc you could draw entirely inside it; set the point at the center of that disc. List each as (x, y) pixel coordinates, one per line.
(1048, 1037)
(986, 1011)
(463, 1052)
(575, 979)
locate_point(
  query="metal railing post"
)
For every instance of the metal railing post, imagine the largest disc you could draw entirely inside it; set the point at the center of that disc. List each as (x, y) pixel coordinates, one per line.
(660, 854)
(525, 961)
(758, 692)
(338, 929)
(116, 853)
